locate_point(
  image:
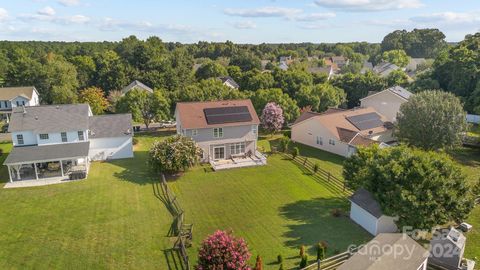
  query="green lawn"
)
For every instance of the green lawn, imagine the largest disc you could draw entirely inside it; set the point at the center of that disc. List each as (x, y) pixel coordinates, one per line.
(114, 220)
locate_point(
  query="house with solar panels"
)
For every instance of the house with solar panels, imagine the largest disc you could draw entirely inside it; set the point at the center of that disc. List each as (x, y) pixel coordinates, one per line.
(226, 131)
(387, 102)
(341, 131)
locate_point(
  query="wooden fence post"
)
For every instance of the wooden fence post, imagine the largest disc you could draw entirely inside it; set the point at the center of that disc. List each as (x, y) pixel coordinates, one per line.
(305, 161)
(329, 175)
(318, 266)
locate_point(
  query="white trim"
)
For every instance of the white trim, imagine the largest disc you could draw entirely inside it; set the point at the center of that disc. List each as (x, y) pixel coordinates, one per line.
(388, 89)
(224, 152)
(40, 161)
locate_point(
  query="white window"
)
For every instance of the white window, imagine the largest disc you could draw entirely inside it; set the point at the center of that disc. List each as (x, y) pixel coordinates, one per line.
(319, 140)
(218, 132)
(332, 142)
(254, 129)
(194, 132)
(237, 148)
(20, 139)
(80, 136)
(44, 136)
(64, 136)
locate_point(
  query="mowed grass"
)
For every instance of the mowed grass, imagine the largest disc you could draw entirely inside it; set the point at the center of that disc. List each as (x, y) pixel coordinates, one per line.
(114, 220)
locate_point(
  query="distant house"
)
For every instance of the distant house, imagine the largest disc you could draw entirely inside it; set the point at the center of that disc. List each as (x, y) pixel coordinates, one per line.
(228, 81)
(226, 131)
(452, 241)
(328, 70)
(366, 212)
(340, 61)
(56, 141)
(285, 59)
(329, 63)
(411, 68)
(367, 66)
(387, 102)
(395, 251)
(283, 65)
(340, 131)
(12, 97)
(384, 69)
(136, 85)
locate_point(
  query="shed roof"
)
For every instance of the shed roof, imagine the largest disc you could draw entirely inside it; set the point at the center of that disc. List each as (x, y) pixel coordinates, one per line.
(112, 125)
(382, 253)
(365, 200)
(37, 153)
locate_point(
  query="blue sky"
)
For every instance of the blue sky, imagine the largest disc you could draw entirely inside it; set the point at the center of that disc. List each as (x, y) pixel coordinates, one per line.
(245, 21)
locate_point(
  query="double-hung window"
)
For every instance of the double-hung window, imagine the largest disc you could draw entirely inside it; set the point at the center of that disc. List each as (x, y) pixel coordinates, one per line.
(237, 148)
(218, 132)
(80, 136)
(319, 140)
(43, 136)
(64, 136)
(194, 132)
(20, 139)
(332, 142)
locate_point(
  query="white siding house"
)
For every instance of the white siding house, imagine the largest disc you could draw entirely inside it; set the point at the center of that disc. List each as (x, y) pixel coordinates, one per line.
(12, 97)
(367, 213)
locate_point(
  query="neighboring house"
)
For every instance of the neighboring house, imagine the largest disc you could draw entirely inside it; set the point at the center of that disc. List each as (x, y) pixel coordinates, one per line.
(413, 64)
(384, 69)
(366, 212)
(136, 85)
(329, 63)
(447, 248)
(283, 65)
(341, 131)
(395, 251)
(57, 141)
(367, 66)
(387, 102)
(328, 70)
(340, 61)
(228, 81)
(11, 97)
(224, 130)
(286, 59)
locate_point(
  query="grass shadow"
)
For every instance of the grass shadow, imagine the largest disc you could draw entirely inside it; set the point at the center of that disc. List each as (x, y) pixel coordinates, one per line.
(135, 169)
(466, 156)
(174, 260)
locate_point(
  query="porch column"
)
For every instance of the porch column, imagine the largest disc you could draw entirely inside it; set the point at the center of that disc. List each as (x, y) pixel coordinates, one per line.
(87, 164)
(36, 172)
(61, 168)
(10, 173)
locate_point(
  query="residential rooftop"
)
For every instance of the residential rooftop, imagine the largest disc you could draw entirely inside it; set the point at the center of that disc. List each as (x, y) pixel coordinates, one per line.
(9, 93)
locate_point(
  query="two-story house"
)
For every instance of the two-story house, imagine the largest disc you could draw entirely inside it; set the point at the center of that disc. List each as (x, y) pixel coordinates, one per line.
(11, 97)
(59, 141)
(387, 102)
(226, 131)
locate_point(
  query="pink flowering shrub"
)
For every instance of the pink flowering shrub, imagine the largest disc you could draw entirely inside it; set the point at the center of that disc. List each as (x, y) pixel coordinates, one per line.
(222, 251)
(272, 117)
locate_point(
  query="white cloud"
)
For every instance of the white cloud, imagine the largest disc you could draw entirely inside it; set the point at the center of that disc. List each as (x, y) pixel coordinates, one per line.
(264, 12)
(69, 3)
(46, 11)
(448, 18)
(77, 19)
(110, 24)
(315, 17)
(245, 25)
(369, 5)
(3, 14)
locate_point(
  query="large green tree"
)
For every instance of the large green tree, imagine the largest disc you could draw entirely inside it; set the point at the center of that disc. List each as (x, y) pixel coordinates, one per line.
(210, 69)
(144, 106)
(397, 57)
(357, 86)
(426, 43)
(289, 106)
(207, 90)
(59, 82)
(174, 154)
(431, 120)
(423, 189)
(95, 97)
(320, 97)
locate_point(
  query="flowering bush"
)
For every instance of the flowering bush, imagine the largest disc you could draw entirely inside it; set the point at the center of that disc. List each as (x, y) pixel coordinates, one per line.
(222, 251)
(173, 154)
(272, 117)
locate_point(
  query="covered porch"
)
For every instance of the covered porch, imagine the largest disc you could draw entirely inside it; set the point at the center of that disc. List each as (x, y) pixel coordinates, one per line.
(48, 162)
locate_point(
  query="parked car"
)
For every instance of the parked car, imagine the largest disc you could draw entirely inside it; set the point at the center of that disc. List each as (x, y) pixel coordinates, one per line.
(168, 124)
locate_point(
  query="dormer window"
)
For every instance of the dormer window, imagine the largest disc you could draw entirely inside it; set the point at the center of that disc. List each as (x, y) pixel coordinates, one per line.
(43, 136)
(80, 136)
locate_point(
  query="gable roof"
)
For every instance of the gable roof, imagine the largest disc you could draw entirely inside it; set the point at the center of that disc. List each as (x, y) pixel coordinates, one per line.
(365, 200)
(50, 118)
(379, 254)
(110, 125)
(9, 93)
(136, 84)
(385, 67)
(230, 80)
(397, 90)
(335, 121)
(192, 114)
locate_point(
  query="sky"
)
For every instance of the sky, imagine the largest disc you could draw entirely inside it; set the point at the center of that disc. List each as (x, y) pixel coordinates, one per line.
(240, 21)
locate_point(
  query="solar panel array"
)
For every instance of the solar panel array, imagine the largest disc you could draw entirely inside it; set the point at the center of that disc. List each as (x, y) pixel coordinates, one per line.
(224, 115)
(366, 121)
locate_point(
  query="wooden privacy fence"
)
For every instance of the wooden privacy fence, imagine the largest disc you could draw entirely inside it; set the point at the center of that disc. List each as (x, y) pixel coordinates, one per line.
(184, 232)
(333, 262)
(321, 174)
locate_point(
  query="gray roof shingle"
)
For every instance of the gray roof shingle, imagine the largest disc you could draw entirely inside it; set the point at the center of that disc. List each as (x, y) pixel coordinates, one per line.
(9, 93)
(402, 92)
(114, 125)
(365, 199)
(26, 154)
(50, 118)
